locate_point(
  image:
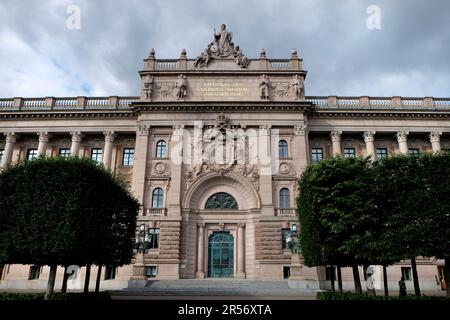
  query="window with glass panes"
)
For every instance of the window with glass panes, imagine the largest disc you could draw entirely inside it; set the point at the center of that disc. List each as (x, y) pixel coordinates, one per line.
(283, 149)
(64, 152)
(285, 201)
(381, 153)
(161, 149)
(96, 154)
(413, 152)
(284, 235)
(150, 271)
(153, 238)
(406, 273)
(34, 273)
(157, 198)
(31, 154)
(128, 156)
(349, 153)
(316, 154)
(1, 154)
(110, 272)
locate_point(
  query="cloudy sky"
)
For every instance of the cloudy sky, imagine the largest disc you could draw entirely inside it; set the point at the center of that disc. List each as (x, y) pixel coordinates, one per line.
(407, 53)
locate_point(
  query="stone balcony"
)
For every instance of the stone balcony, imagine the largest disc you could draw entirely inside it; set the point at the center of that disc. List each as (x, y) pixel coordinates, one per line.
(155, 212)
(282, 212)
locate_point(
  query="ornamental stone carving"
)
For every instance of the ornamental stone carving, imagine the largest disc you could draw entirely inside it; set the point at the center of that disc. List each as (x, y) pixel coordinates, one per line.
(181, 87)
(402, 136)
(77, 136)
(280, 89)
(161, 168)
(43, 136)
(264, 87)
(11, 137)
(299, 130)
(369, 136)
(336, 136)
(264, 130)
(221, 122)
(166, 89)
(148, 87)
(286, 169)
(298, 87)
(109, 136)
(143, 129)
(435, 136)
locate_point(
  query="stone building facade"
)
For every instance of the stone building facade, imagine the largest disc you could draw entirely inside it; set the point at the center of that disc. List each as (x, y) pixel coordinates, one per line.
(212, 148)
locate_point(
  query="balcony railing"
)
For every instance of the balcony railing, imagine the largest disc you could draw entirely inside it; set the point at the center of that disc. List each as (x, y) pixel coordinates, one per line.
(279, 64)
(166, 64)
(282, 212)
(152, 212)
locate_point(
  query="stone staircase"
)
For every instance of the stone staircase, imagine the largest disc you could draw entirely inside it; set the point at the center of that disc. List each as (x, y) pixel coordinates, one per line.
(217, 287)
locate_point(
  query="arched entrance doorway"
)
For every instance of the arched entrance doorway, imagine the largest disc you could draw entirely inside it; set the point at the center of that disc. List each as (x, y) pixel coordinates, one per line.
(221, 255)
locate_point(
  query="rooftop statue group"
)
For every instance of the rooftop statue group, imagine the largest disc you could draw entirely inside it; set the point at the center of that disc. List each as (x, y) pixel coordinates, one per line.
(222, 47)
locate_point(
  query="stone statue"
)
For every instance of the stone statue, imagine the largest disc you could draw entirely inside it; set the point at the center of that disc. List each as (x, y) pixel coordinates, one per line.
(223, 39)
(264, 87)
(241, 60)
(182, 87)
(148, 87)
(297, 85)
(202, 60)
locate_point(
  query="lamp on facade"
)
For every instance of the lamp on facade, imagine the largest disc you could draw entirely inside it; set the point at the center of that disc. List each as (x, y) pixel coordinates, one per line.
(292, 239)
(142, 239)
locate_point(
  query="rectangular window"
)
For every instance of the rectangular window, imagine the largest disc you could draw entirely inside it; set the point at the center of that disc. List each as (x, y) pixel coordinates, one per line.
(34, 272)
(64, 152)
(128, 157)
(96, 154)
(1, 154)
(331, 271)
(110, 272)
(316, 155)
(349, 153)
(153, 238)
(284, 236)
(150, 271)
(381, 153)
(413, 152)
(406, 273)
(31, 154)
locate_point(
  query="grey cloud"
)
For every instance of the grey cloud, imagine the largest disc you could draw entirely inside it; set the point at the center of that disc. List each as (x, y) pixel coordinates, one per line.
(408, 56)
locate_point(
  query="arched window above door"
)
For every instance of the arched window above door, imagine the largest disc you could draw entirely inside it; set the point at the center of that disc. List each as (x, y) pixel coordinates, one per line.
(221, 200)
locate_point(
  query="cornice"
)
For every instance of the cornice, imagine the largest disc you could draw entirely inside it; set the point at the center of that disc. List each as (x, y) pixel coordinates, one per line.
(369, 114)
(65, 115)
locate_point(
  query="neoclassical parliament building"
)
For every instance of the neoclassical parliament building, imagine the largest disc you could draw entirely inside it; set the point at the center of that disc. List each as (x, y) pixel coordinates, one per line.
(212, 148)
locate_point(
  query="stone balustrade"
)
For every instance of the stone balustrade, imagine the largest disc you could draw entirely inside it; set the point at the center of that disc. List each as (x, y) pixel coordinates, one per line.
(279, 212)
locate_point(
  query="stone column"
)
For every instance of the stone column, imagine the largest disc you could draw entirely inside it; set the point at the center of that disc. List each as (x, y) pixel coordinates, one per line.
(107, 152)
(43, 142)
(140, 162)
(336, 140)
(435, 139)
(176, 155)
(76, 140)
(200, 251)
(402, 138)
(370, 147)
(299, 148)
(11, 138)
(241, 251)
(265, 159)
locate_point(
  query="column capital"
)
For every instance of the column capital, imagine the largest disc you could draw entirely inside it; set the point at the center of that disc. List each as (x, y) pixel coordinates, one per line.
(435, 136)
(178, 130)
(299, 130)
(77, 136)
(241, 225)
(109, 136)
(369, 136)
(201, 225)
(44, 136)
(402, 136)
(11, 137)
(143, 129)
(336, 135)
(264, 130)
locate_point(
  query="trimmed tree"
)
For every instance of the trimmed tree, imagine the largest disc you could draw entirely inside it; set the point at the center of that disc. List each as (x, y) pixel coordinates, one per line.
(335, 202)
(57, 211)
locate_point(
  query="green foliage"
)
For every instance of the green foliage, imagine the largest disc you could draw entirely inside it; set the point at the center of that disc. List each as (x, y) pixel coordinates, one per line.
(365, 296)
(56, 296)
(57, 211)
(335, 203)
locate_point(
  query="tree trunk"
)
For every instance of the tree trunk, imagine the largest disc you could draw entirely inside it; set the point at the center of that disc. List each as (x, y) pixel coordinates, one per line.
(65, 277)
(333, 289)
(385, 281)
(97, 282)
(339, 274)
(356, 279)
(415, 277)
(87, 278)
(447, 275)
(51, 281)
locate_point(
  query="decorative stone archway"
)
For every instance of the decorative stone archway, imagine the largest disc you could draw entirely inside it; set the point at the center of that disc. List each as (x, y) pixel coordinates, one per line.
(237, 186)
